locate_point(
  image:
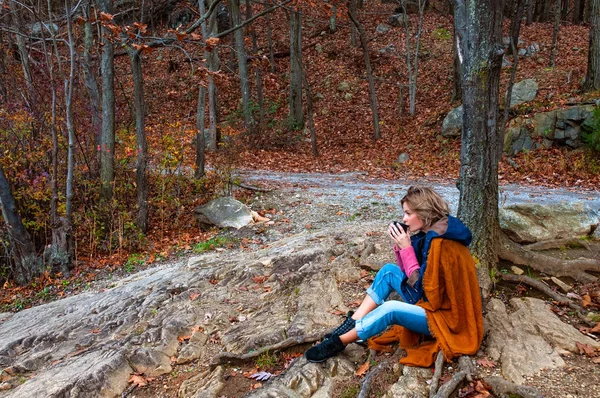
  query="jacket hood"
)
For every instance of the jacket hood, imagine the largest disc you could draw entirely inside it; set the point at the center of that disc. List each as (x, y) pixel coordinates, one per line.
(451, 228)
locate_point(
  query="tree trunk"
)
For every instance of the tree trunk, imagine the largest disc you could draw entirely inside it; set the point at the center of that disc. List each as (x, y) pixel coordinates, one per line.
(200, 138)
(67, 264)
(412, 62)
(478, 25)
(270, 40)
(592, 79)
(23, 53)
(333, 19)
(456, 77)
(530, 10)
(27, 264)
(3, 90)
(555, 33)
(352, 6)
(296, 112)
(546, 11)
(515, 30)
(578, 11)
(91, 84)
(141, 177)
(257, 72)
(242, 61)
(309, 110)
(372, 94)
(107, 137)
(213, 64)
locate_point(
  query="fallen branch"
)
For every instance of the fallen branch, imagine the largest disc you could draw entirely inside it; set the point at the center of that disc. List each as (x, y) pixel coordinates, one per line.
(501, 387)
(227, 357)
(437, 374)
(465, 363)
(517, 254)
(560, 298)
(251, 188)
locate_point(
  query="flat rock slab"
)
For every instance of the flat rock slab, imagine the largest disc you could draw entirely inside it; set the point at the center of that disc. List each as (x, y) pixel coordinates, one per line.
(528, 337)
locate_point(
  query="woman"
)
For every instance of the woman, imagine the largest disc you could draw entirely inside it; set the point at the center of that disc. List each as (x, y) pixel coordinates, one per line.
(435, 277)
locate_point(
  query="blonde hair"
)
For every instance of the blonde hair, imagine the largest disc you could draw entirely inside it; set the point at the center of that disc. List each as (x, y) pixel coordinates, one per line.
(427, 204)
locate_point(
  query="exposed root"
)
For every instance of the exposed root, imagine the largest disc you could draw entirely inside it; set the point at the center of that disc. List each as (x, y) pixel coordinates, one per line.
(227, 357)
(557, 244)
(437, 374)
(576, 269)
(448, 389)
(501, 387)
(368, 380)
(466, 373)
(547, 291)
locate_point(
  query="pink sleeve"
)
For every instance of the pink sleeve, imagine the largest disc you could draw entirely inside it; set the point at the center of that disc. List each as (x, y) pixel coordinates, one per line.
(407, 260)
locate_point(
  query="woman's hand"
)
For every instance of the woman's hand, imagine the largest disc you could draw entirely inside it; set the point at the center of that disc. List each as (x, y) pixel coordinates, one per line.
(400, 237)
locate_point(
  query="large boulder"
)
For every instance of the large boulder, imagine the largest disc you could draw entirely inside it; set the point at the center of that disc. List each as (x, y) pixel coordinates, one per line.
(224, 212)
(529, 222)
(452, 124)
(523, 91)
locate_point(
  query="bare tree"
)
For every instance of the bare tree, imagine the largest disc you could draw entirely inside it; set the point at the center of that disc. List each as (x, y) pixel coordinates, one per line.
(257, 72)
(141, 163)
(17, 23)
(372, 94)
(200, 140)
(478, 25)
(412, 62)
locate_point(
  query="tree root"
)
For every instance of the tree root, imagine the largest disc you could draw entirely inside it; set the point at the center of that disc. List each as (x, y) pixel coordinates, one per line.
(501, 387)
(561, 299)
(465, 373)
(557, 244)
(576, 269)
(366, 383)
(437, 374)
(227, 357)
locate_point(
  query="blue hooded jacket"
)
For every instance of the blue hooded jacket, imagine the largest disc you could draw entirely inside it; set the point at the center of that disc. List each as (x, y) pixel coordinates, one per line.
(421, 242)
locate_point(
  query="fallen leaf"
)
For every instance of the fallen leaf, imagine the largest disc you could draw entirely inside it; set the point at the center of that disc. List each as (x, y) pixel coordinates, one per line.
(585, 349)
(586, 301)
(259, 279)
(595, 329)
(95, 331)
(194, 296)
(261, 376)
(181, 339)
(362, 369)
(338, 312)
(137, 380)
(486, 363)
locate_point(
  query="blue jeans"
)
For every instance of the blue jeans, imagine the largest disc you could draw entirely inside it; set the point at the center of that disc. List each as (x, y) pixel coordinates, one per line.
(390, 312)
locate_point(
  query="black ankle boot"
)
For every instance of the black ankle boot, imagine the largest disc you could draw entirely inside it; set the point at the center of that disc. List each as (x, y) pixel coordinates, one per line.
(344, 328)
(324, 350)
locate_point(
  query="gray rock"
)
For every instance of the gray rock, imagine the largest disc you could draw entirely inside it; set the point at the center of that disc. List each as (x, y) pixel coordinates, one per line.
(523, 91)
(343, 87)
(529, 223)
(390, 48)
(404, 157)
(452, 124)
(224, 212)
(382, 28)
(412, 383)
(398, 20)
(348, 96)
(528, 339)
(532, 49)
(319, 48)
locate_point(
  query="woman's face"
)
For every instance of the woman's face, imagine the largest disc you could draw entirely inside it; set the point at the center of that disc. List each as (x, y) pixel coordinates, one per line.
(411, 219)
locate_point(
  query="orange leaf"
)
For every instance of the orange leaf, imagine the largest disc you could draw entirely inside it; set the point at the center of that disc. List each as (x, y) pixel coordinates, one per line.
(94, 331)
(137, 380)
(105, 16)
(363, 369)
(596, 329)
(585, 349)
(194, 296)
(181, 339)
(586, 301)
(486, 363)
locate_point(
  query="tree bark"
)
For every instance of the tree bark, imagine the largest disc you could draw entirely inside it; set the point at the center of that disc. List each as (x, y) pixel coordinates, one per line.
(372, 94)
(242, 62)
(27, 264)
(309, 111)
(456, 77)
(213, 64)
(141, 164)
(578, 11)
(296, 111)
(257, 72)
(91, 84)
(555, 33)
(478, 25)
(67, 264)
(592, 79)
(530, 10)
(107, 137)
(23, 53)
(270, 40)
(200, 137)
